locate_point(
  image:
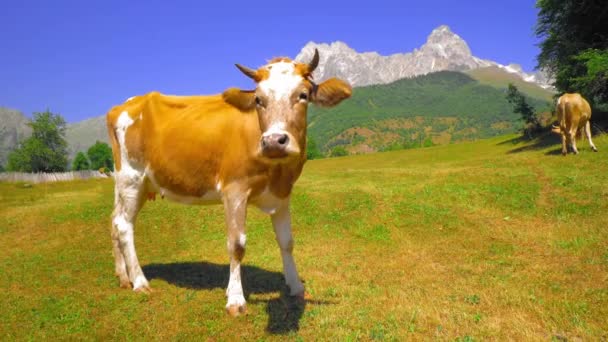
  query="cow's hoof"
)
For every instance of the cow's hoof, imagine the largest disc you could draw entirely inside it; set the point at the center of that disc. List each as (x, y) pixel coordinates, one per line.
(594, 149)
(124, 284)
(145, 289)
(236, 305)
(236, 310)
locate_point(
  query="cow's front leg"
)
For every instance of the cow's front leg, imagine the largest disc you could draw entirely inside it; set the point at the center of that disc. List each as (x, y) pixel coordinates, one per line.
(281, 221)
(235, 205)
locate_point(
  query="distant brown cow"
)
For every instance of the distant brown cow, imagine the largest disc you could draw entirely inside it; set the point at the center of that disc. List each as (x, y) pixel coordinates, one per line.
(573, 114)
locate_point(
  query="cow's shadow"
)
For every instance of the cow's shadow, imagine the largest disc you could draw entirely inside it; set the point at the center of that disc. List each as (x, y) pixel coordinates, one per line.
(543, 141)
(284, 313)
(540, 142)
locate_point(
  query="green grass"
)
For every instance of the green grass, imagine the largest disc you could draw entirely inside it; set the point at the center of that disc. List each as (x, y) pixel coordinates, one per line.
(491, 240)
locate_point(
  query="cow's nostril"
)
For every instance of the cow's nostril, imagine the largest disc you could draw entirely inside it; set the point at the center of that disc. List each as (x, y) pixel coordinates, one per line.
(283, 139)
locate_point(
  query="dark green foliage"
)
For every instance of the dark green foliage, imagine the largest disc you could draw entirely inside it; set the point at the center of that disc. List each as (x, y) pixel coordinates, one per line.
(574, 43)
(521, 106)
(100, 156)
(81, 162)
(427, 142)
(433, 96)
(338, 151)
(594, 83)
(1, 168)
(312, 150)
(45, 150)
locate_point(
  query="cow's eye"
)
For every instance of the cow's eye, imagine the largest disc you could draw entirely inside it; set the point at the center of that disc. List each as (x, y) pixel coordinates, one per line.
(258, 101)
(303, 96)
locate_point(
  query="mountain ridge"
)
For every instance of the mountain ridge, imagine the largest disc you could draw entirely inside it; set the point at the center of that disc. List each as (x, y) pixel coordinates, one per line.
(443, 50)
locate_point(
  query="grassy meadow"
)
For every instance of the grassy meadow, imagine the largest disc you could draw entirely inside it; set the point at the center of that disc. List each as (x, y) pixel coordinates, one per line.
(495, 239)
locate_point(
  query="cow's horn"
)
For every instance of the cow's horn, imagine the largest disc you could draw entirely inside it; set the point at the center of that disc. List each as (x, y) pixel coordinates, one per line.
(314, 63)
(253, 74)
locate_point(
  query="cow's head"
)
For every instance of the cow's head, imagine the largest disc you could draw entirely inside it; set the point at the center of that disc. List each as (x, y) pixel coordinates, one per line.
(284, 90)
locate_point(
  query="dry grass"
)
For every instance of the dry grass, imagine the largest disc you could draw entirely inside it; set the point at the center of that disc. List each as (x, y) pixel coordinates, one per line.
(496, 239)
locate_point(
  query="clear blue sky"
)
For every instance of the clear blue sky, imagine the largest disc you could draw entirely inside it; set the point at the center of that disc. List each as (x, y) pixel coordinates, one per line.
(78, 58)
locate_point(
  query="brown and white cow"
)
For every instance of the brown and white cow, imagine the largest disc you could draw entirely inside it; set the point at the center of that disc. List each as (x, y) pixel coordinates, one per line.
(236, 148)
(573, 115)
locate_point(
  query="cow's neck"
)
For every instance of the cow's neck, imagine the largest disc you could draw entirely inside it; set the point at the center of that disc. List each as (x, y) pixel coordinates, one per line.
(284, 176)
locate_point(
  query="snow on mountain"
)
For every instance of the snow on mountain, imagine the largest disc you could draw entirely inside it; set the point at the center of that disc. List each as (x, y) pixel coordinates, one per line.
(443, 50)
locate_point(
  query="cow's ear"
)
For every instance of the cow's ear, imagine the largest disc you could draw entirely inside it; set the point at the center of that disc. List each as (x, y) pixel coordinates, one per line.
(331, 92)
(243, 100)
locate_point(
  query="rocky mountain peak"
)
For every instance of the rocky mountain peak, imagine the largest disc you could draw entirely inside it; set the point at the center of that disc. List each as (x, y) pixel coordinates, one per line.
(446, 43)
(442, 34)
(443, 50)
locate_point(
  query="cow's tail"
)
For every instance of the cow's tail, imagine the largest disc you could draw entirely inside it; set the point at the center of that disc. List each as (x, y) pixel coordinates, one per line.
(111, 119)
(562, 107)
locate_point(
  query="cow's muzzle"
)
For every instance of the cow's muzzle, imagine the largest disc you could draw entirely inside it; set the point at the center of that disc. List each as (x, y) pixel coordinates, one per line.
(275, 145)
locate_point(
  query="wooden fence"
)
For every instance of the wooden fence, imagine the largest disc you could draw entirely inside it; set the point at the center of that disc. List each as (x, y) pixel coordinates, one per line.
(50, 177)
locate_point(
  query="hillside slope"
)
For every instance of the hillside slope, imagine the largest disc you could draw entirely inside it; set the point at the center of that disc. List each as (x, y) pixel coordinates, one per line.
(13, 128)
(84, 134)
(440, 108)
(499, 78)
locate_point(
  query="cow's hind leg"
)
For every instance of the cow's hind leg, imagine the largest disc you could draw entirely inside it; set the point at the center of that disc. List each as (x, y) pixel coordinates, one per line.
(588, 134)
(129, 198)
(564, 144)
(572, 141)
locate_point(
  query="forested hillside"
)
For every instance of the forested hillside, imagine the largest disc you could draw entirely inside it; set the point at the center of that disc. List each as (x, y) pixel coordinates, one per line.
(437, 108)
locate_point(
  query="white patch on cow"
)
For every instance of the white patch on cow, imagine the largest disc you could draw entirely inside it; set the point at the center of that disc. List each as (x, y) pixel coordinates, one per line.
(121, 224)
(237, 300)
(218, 186)
(234, 291)
(559, 101)
(281, 221)
(140, 282)
(123, 122)
(127, 171)
(282, 81)
(210, 197)
(130, 98)
(242, 240)
(275, 128)
(267, 202)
